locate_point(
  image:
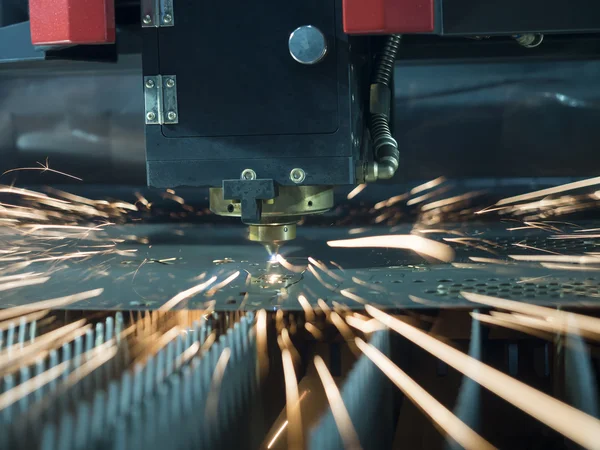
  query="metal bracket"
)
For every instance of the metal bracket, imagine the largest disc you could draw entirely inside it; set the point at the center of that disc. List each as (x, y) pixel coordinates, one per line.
(160, 100)
(250, 193)
(157, 13)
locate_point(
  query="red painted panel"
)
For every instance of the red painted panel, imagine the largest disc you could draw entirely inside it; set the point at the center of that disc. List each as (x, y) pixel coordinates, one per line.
(57, 22)
(388, 16)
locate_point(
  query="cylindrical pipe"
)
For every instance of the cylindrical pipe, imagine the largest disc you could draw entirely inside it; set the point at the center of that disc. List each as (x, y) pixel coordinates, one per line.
(385, 147)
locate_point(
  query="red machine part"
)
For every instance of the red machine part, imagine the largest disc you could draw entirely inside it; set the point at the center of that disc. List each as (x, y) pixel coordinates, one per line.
(58, 22)
(388, 16)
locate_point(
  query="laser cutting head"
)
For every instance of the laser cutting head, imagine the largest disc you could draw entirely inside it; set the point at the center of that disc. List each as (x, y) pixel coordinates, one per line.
(272, 221)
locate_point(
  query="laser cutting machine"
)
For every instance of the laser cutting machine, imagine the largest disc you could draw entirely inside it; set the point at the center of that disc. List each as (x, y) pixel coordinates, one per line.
(162, 335)
(271, 105)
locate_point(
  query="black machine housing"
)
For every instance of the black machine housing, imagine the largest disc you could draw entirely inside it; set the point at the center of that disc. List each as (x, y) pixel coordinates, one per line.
(245, 103)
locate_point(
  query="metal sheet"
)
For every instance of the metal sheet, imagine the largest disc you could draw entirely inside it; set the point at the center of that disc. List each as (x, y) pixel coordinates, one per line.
(169, 259)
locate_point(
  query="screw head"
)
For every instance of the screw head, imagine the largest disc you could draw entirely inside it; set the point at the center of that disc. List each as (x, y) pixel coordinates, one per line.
(248, 174)
(167, 18)
(150, 116)
(297, 175)
(149, 84)
(171, 115)
(147, 19)
(307, 45)
(170, 82)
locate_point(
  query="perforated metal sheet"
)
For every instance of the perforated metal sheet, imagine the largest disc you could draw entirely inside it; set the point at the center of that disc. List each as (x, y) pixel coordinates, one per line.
(156, 262)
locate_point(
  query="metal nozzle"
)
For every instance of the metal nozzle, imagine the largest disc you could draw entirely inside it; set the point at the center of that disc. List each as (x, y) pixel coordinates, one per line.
(278, 215)
(272, 236)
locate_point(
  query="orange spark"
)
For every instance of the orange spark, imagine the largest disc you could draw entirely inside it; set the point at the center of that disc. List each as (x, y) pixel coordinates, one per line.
(186, 294)
(43, 168)
(357, 190)
(452, 425)
(572, 423)
(293, 412)
(550, 191)
(428, 185)
(417, 244)
(338, 409)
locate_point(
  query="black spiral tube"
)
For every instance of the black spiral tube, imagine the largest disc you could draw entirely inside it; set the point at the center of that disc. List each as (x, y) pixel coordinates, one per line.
(384, 69)
(385, 146)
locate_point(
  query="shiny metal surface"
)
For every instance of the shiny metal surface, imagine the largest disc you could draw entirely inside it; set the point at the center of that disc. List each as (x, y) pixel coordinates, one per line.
(292, 202)
(307, 45)
(156, 262)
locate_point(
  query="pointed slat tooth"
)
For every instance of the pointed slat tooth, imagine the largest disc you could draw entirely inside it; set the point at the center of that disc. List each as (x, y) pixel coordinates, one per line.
(65, 435)
(82, 431)
(126, 394)
(109, 328)
(99, 334)
(149, 376)
(48, 438)
(22, 330)
(32, 331)
(89, 340)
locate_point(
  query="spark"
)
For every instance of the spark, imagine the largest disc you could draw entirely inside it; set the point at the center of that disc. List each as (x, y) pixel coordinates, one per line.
(357, 190)
(24, 389)
(287, 343)
(352, 296)
(293, 412)
(308, 311)
(438, 413)
(374, 287)
(277, 434)
(557, 259)
(417, 244)
(510, 324)
(344, 330)
(479, 259)
(572, 423)
(520, 244)
(338, 409)
(575, 236)
(365, 326)
(358, 230)
(391, 201)
(25, 319)
(324, 307)
(261, 342)
(43, 168)
(175, 198)
(100, 356)
(184, 295)
(289, 266)
(468, 242)
(320, 279)
(27, 193)
(212, 402)
(314, 331)
(325, 269)
(49, 304)
(449, 201)
(562, 327)
(22, 283)
(213, 290)
(428, 185)
(333, 263)
(576, 267)
(549, 191)
(583, 322)
(429, 195)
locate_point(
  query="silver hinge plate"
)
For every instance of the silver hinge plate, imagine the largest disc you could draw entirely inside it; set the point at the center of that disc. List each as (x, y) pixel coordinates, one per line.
(157, 13)
(160, 100)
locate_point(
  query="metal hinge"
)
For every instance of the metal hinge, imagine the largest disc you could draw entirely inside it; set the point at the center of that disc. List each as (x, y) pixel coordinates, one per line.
(160, 99)
(157, 13)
